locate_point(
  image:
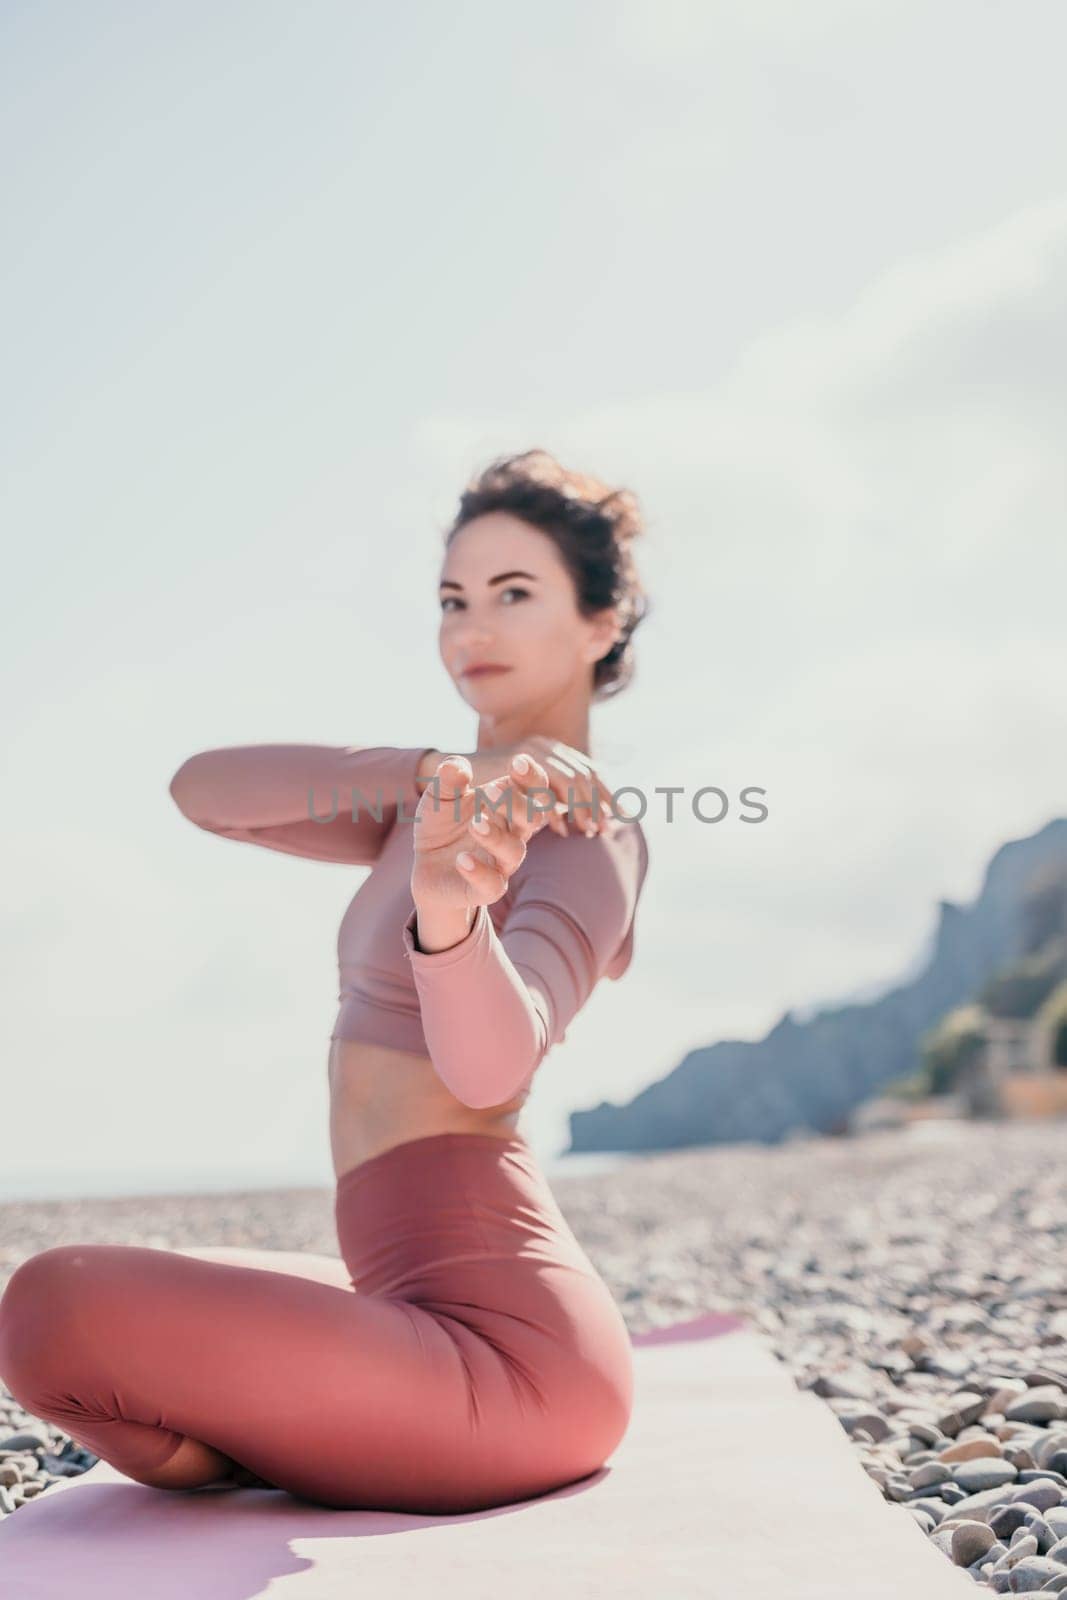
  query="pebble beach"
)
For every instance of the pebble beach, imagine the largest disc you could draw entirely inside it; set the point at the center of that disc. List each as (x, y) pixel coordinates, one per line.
(912, 1278)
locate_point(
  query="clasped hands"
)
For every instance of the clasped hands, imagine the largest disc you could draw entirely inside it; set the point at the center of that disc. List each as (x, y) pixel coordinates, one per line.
(469, 839)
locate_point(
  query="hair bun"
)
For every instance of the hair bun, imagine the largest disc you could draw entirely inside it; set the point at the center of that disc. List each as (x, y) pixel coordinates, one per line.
(623, 507)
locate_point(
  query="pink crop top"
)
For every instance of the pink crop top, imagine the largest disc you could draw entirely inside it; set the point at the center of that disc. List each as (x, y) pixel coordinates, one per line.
(486, 1010)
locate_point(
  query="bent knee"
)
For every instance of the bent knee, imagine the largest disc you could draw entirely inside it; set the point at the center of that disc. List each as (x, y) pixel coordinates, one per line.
(35, 1307)
(45, 1276)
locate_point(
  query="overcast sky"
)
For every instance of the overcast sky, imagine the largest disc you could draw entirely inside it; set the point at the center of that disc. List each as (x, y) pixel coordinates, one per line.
(278, 279)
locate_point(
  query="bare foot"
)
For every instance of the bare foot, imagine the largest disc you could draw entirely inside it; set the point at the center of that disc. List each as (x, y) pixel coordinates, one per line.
(245, 1478)
(192, 1466)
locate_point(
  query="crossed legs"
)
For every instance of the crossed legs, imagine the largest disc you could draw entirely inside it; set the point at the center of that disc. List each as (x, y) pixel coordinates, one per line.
(181, 1368)
(481, 1361)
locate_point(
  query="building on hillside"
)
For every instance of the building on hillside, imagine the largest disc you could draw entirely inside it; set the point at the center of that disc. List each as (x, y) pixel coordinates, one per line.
(1016, 1074)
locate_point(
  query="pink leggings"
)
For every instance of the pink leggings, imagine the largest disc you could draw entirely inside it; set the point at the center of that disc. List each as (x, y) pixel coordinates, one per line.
(465, 1355)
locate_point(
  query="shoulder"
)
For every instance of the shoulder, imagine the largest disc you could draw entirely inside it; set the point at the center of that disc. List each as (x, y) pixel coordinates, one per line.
(619, 854)
(595, 883)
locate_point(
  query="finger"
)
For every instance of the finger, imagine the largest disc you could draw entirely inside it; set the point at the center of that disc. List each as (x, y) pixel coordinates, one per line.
(576, 760)
(494, 800)
(526, 772)
(485, 882)
(530, 793)
(574, 789)
(451, 785)
(592, 802)
(573, 792)
(584, 808)
(603, 807)
(551, 816)
(454, 775)
(500, 840)
(557, 821)
(541, 802)
(559, 816)
(512, 818)
(589, 803)
(547, 804)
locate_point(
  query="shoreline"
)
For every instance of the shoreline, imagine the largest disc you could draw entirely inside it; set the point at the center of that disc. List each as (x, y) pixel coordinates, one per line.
(580, 1164)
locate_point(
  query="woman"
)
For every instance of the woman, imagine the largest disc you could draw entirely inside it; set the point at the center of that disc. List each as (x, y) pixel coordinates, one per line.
(465, 1353)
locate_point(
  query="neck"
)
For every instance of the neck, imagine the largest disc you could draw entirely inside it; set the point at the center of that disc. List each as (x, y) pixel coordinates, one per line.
(565, 718)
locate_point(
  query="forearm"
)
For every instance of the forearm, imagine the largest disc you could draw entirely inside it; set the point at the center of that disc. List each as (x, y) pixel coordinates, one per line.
(269, 785)
(486, 1033)
(439, 927)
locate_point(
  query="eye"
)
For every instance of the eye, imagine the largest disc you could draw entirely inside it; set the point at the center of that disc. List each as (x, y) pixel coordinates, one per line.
(450, 601)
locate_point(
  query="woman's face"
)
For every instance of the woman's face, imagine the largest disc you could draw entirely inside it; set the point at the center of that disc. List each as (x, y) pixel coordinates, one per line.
(508, 599)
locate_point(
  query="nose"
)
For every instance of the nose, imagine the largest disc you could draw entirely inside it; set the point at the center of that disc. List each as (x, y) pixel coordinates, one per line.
(470, 635)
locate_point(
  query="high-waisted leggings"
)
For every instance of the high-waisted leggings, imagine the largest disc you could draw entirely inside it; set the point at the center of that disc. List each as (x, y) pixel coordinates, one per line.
(465, 1354)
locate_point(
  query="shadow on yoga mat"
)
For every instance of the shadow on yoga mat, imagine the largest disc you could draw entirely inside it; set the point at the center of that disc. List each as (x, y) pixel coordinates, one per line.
(730, 1481)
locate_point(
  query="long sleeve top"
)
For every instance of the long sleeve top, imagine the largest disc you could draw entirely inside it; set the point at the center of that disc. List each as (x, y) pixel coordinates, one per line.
(327, 802)
(486, 1010)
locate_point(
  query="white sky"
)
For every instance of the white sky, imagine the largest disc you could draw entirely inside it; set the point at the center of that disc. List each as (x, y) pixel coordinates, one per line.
(278, 279)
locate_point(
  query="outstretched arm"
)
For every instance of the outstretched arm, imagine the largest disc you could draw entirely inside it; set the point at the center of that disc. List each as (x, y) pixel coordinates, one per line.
(271, 794)
(493, 1005)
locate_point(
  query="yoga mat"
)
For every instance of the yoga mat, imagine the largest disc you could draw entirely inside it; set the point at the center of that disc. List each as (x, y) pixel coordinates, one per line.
(730, 1484)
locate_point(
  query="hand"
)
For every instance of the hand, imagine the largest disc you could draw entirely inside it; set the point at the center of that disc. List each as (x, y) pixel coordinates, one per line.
(457, 864)
(590, 808)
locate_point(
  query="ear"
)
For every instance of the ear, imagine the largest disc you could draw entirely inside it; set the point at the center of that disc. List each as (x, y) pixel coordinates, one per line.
(603, 632)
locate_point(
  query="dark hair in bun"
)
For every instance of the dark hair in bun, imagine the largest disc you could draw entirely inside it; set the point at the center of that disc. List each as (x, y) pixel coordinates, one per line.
(593, 526)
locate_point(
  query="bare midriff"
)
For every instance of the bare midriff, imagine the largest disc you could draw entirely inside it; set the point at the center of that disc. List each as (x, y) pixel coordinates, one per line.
(381, 1097)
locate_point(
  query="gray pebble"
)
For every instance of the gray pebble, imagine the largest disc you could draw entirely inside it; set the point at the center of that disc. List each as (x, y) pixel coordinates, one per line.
(983, 1472)
(1041, 1404)
(28, 1439)
(932, 1472)
(1005, 1519)
(1041, 1493)
(1032, 1573)
(971, 1541)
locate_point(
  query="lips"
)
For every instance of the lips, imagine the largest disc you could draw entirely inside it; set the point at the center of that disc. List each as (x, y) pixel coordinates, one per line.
(484, 671)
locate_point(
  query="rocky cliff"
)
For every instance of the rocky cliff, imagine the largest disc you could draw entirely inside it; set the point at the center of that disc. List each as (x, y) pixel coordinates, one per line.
(810, 1074)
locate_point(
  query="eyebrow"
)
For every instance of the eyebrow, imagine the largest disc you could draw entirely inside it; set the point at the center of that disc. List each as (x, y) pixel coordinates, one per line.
(501, 577)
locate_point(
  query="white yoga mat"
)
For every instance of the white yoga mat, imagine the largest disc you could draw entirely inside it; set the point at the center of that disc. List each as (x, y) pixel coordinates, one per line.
(730, 1484)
